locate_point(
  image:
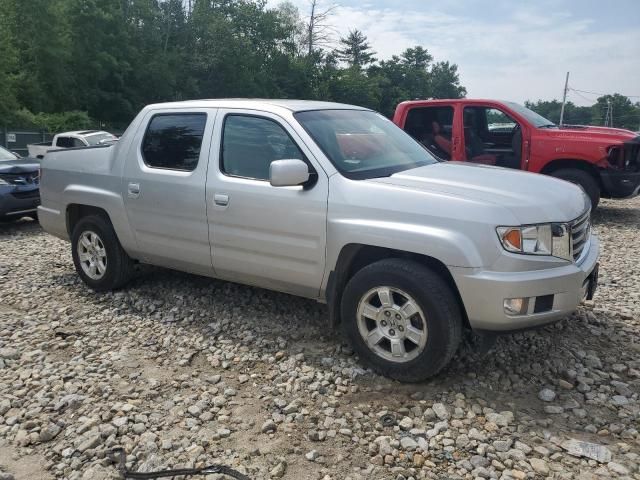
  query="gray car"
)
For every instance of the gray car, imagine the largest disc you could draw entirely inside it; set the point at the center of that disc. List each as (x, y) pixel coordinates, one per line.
(331, 202)
(19, 186)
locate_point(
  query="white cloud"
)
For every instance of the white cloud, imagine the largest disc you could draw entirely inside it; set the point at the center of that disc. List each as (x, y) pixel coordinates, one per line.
(518, 55)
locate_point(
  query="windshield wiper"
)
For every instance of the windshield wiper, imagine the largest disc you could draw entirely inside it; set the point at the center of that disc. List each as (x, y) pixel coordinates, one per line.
(548, 125)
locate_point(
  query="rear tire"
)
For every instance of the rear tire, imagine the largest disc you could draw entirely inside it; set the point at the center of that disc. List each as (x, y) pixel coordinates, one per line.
(100, 260)
(418, 322)
(582, 179)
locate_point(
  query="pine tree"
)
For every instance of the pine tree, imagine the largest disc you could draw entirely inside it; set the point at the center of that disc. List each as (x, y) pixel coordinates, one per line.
(356, 51)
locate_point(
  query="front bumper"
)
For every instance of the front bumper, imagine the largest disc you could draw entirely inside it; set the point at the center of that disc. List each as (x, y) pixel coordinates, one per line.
(17, 201)
(483, 292)
(620, 184)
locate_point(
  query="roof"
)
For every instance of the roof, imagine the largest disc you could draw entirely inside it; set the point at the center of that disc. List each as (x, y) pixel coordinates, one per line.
(468, 101)
(259, 104)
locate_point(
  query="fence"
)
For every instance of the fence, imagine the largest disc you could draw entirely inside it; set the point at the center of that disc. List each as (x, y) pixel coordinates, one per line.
(17, 140)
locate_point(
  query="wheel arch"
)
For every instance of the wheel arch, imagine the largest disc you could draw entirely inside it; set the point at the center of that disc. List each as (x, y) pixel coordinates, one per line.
(77, 211)
(579, 164)
(355, 256)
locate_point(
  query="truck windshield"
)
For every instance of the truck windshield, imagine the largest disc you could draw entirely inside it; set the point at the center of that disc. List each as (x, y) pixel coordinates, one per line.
(538, 121)
(6, 155)
(363, 144)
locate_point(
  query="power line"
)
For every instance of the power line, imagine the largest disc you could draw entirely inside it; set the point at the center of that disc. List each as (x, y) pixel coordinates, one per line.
(582, 96)
(632, 116)
(601, 94)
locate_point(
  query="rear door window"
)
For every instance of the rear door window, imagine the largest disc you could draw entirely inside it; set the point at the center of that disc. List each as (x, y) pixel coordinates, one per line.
(173, 141)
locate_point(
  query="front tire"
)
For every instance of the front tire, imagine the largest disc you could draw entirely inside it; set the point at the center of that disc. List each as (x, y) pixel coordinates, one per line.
(402, 319)
(100, 260)
(582, 179)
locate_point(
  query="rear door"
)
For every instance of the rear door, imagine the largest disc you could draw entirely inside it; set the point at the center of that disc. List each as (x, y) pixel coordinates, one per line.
(433, 126)
(164, 188)
(273, 237)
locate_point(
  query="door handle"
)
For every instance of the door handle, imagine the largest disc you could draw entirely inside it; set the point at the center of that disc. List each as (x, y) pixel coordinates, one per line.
(133, 190)
(221, 199)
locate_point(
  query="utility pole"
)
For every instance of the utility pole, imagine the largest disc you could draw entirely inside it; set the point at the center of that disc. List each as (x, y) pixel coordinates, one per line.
(608, 115)
(564, 98)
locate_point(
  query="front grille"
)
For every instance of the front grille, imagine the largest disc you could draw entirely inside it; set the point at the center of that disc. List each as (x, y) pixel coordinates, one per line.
(580, 232)
(27, 194)
(626, 156)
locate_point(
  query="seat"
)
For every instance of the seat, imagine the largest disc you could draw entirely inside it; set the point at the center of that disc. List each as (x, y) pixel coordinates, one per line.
(438, 141)
(475, 149)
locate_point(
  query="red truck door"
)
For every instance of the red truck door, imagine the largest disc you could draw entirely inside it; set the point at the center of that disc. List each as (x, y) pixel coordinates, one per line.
(434, 124)
(492, 135)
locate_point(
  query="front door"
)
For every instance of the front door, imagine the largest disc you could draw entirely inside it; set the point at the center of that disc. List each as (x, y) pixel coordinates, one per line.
(164, 188)
(273, 237)
(492, 136)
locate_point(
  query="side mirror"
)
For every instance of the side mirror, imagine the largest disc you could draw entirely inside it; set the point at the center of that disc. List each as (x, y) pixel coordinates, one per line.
(288, 173)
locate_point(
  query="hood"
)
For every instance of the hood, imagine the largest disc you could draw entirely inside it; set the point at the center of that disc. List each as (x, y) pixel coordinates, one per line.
(531, 198)
(20, 165)
(578, 132)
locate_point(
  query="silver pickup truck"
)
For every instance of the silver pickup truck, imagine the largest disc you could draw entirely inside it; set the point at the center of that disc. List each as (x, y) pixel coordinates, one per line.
(331, 202)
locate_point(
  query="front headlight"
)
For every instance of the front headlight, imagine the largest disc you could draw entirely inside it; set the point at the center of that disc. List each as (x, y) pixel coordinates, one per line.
(4, 182)
(544, 239)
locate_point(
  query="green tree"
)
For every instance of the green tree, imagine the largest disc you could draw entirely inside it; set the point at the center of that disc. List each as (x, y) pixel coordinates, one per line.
(624, 113)
(39, 36)
(8, 64)
(355, 51)
(354, 86)
(101, 59)
(445, 81)
(74, 62)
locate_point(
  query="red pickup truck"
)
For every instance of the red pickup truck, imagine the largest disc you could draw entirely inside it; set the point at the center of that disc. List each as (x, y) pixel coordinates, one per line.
(605, 162)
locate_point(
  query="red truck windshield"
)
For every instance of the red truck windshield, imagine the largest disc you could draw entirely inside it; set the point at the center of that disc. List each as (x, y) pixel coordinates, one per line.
(363, 144)
(536, 120)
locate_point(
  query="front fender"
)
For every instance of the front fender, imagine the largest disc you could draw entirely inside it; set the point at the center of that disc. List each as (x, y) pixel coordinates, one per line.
(448, 247)
(452, 248)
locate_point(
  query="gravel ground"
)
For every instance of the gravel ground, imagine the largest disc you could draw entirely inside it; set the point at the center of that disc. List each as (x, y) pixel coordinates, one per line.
(182, 370)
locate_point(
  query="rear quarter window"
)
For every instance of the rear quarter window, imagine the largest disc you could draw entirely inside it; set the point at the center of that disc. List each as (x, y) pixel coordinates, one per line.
(173, 141)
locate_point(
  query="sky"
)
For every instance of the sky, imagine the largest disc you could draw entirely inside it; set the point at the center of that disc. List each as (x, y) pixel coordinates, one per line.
(509, 49)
